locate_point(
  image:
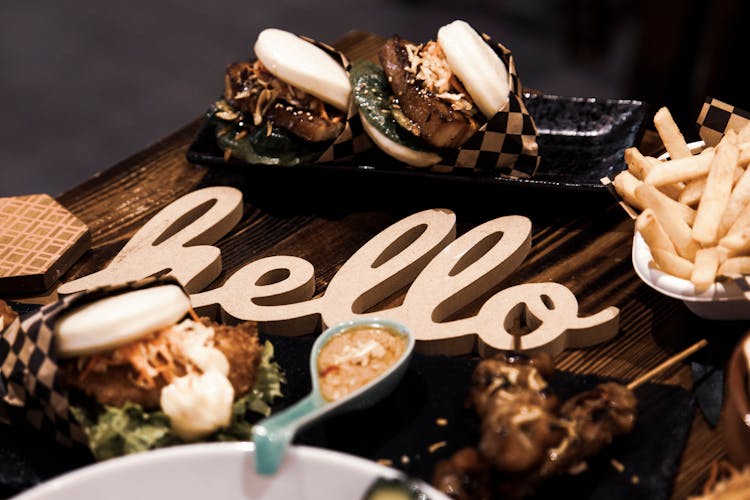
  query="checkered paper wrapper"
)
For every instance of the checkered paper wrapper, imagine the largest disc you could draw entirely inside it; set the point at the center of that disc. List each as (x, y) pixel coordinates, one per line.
(353, 140)
(507, 143)
(30, 386)
(717, 117)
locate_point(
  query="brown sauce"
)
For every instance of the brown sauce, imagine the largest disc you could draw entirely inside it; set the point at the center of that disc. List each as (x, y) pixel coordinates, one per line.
(354, 357)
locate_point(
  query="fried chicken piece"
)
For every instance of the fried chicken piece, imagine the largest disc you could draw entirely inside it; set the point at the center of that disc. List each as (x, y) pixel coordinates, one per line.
(117, 384)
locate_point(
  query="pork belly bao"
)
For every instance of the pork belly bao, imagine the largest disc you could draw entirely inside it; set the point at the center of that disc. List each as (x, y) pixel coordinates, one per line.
(284, 108)
(429, 96)
(158, 374)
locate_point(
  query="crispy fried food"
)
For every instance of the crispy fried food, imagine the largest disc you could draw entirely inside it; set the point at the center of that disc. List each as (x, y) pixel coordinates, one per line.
(241, 347)
(116, 382)
(670, 135)
(717, 193)
(705, 244)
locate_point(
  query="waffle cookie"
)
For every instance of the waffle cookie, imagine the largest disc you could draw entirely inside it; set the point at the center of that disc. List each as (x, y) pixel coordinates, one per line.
(39, 241)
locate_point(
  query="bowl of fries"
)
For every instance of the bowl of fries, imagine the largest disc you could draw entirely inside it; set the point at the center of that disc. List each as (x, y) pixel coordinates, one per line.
(725, 299)
(692, 230)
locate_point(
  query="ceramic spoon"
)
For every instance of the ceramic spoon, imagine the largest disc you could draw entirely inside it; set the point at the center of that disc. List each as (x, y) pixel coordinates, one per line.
(273, 435)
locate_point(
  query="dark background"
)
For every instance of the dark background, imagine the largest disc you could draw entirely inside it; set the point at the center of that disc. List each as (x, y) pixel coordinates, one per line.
(85, 84)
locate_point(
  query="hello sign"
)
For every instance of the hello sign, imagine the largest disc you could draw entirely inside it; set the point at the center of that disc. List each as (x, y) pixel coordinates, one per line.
(443, 275)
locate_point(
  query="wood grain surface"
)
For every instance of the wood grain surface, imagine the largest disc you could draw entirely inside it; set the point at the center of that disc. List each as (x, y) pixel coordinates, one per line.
(582, 241)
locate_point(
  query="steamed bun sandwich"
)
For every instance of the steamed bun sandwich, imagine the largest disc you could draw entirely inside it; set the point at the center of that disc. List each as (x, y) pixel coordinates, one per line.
(142, 371)
(424, 98)
(286, 107)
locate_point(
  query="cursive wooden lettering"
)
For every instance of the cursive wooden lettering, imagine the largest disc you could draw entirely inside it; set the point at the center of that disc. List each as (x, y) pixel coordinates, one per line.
(441, 276)
(176, 239)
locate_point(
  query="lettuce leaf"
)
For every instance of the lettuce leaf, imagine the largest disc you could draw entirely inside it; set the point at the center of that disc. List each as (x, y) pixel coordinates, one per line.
(259, 145)
(114, 431)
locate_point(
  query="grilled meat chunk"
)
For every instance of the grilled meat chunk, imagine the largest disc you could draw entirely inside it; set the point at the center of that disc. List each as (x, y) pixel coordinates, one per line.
(526, 435)
(437, 122)
(311, 126)
(252, 90)
(518, 415)
(464, 476)
(593, 419)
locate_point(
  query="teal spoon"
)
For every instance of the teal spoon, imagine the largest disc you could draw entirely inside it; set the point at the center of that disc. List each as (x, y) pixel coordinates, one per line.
(273, 435)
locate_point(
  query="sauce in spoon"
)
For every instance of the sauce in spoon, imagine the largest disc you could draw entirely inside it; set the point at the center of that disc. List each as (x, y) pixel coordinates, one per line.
(353, 365)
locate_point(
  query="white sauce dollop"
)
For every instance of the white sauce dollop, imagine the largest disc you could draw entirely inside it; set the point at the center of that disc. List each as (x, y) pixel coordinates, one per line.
(197, 405)
(194, 341)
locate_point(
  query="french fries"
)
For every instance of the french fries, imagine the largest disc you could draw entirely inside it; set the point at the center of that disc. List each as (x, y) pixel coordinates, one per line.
(682, 170)
(705, 268)
(694, 208)
(670, 135)
(716, 195)
(677, 229)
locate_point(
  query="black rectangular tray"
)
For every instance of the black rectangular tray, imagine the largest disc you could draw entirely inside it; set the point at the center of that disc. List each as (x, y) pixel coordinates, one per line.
(580, 140)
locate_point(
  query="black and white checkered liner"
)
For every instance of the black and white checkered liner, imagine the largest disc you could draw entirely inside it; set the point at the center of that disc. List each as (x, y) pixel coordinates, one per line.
(506, 144)
(353, 140)
(30, 385)
(717, 117)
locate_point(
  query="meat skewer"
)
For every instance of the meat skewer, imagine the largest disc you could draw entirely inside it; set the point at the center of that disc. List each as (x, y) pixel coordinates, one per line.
(526, 436)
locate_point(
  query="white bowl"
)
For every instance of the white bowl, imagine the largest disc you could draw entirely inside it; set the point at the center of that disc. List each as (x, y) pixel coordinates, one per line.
(219, 470)
(727, 299)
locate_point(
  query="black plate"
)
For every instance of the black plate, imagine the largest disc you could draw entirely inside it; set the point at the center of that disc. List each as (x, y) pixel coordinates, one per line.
(581, 140)
(404, 424)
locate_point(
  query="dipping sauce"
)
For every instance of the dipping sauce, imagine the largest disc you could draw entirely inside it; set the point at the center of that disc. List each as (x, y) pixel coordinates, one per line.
(354, 357)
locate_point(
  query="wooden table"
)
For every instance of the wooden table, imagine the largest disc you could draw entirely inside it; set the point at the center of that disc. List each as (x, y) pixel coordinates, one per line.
(581, 241)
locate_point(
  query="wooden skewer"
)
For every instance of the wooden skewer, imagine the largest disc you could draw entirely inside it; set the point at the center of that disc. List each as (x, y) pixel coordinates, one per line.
(670, 362)
(193, 315)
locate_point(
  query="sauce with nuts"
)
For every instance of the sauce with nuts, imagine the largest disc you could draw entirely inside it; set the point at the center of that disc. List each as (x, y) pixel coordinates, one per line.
(355, 357)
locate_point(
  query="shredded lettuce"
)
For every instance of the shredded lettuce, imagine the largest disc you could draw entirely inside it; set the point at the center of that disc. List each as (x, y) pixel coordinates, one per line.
(114, 431)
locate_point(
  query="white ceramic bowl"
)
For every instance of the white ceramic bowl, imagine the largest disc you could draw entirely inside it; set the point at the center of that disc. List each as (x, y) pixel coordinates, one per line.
(726, 299)
(219, 470)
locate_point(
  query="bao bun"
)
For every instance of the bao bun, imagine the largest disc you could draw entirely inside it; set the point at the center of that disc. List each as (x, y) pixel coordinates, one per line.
(432, 108)
(118, 320)
(478, 67)
(398, 151)
(303, 65)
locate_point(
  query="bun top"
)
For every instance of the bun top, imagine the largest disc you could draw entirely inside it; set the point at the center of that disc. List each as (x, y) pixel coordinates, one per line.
(114, 321)
(303, 65)
(478, 67)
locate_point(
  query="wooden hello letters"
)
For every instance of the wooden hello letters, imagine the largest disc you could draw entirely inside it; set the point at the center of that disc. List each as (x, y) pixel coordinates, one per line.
(441, 274)
(177, 239)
